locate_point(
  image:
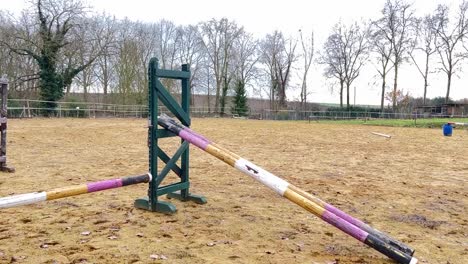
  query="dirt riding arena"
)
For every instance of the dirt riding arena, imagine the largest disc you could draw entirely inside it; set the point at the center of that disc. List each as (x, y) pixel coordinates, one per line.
(412, 186)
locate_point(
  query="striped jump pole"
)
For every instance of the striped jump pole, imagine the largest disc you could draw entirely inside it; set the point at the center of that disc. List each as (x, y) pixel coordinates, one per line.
(395, 243)
(391, 248)
(381, 134)
(460, 124)
(30, 198)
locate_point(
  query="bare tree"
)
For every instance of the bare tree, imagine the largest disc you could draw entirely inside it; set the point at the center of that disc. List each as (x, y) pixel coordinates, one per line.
(190, 50)
(382, 47)
(308, 56)
(345, 52)
(167, 37)
(90, 39)
(206, 81)
(424, 43)
(147, 37)
(106, 62)
(278, 54)
(449, 39)
(396, 24)
(218, 39)
(128, 62)
(332, 58)
(22, 71)
(245, 59)
(269, 50)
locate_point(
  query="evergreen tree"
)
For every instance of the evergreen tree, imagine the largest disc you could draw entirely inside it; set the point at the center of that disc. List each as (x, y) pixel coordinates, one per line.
(240, 106)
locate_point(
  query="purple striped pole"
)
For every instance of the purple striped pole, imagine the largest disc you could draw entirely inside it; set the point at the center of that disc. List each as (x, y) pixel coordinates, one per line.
(202, 142)
(30, 198)
(328, 213)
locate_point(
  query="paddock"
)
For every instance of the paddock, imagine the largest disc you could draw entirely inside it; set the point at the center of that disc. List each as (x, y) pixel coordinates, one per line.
(412, 186)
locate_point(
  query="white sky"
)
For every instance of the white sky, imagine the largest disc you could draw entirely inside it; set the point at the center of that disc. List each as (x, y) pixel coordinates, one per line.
(264, 16)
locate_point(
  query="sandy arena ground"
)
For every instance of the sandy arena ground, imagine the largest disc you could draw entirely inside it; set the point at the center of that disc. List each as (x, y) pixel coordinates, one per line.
(412, 186)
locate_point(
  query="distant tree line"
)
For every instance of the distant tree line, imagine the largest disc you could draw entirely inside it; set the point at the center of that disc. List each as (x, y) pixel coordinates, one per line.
(398, 37)
(59, 46)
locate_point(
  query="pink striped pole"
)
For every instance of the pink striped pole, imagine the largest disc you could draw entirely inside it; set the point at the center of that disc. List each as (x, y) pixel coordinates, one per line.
(30, 198)
(353, 227)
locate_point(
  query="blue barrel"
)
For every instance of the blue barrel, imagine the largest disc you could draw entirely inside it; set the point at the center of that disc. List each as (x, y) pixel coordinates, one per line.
(447, 129)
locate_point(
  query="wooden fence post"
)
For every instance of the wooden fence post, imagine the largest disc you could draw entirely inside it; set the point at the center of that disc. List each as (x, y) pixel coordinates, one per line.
(3, 125)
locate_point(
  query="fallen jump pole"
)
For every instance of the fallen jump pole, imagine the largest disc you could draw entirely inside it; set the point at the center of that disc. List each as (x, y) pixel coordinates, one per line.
(30, 198)
(460, 124)
(353, 227)
(381, 134)
(395, 243)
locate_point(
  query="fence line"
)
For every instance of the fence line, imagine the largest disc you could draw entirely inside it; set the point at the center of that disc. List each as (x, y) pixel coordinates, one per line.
(345, 115)
(37, 108)
(21, 108)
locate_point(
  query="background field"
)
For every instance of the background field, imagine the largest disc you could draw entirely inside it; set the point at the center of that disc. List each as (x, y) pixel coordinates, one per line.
(413, 186)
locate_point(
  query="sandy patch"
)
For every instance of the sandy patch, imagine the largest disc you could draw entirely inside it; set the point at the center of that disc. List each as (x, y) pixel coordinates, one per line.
(413, 186)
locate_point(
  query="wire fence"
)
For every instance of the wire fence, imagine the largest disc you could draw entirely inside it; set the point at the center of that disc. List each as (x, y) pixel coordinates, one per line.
(348, 115)
(28, 108)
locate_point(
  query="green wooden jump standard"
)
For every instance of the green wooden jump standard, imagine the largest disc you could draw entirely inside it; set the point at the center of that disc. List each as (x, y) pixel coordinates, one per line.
(179, 190)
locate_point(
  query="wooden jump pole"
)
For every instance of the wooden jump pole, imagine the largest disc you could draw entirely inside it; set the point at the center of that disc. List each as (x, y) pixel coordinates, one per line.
(380, 134)
(460, 124)
(401, 246)
(30, 198)
(396, 251)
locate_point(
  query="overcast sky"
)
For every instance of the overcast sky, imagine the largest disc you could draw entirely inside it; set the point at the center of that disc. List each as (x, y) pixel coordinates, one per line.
(264, 16)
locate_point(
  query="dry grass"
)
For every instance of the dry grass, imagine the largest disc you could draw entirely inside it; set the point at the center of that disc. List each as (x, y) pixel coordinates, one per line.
(412, 186)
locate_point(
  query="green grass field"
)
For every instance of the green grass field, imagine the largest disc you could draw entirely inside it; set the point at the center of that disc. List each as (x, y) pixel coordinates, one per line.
(427, 122)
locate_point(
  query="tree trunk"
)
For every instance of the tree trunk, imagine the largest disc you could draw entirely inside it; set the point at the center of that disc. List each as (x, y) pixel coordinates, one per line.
(382, 98)
(105, 77)
(85, 85)
(105, 85)
(192, 95)
(208, 99)
(449, 82)
(426, 74)
(282, 95)
(425, 90)
(341, 93)
(223, 95)
(51, 84)
(218, 89)
(85, 92)
(395, 88)
(304, 93)
(282, 101)
(272, 98)
(272, 93)
(347, 95)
